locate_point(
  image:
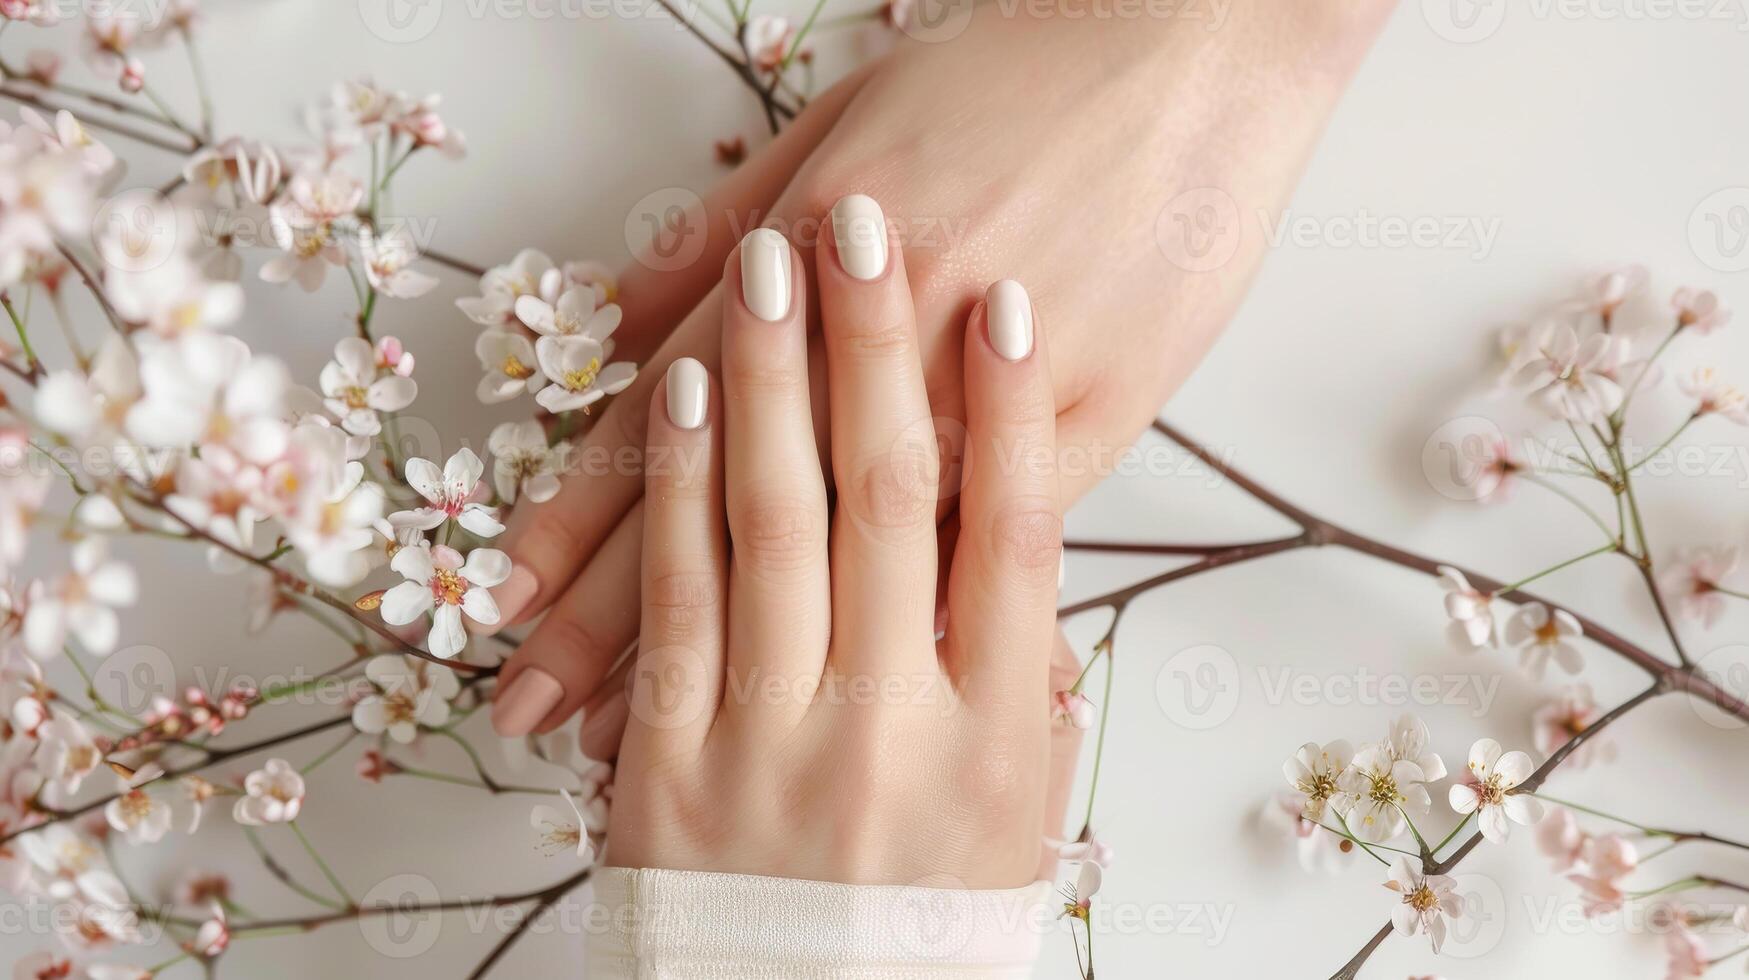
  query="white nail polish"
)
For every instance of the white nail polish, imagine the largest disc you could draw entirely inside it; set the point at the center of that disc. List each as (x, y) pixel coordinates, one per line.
(1008, 311)
(688, 393)
(860, 231)
(765, 274)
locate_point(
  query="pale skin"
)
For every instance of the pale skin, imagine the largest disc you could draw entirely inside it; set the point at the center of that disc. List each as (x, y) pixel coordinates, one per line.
(1042, 150)
(789, 669)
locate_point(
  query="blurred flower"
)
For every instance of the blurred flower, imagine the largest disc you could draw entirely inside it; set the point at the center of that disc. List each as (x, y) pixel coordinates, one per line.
(1072, 708)
(1559, 837)
(209, 389)
(1544, 634)
(1092, 849)
(502, 285)
(522, 463)
(137, 814)
(274, 794)
(387, 264)
(1427, 902)
(768, 39)
(213, 935)
(1714, 396)
(1486, 790)
(1573, 380)
(81, 603)
(1471, 611)
(393, 358)
(560, 831)
(1560, 720)
(1607, 860)
(1699, 310)
(1693, 581)
(1317, 848)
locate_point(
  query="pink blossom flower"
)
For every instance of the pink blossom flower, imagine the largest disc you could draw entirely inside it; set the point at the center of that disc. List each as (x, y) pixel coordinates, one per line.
(1574, 380)
(1559, 837)
(768, 39)
(393, 357)
(1073, 709)
(273, 794)
(1693, 582)
(1544, 634)
(1699, 310)
(213, 935)
(449, 496)
(1564, 718)
(1607, 860)
(1614, 289)
(441, 583)
(1471, 611)
(1715, 397)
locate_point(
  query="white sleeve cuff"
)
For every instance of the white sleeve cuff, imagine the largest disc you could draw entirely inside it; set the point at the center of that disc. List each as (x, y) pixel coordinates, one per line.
(681, 925)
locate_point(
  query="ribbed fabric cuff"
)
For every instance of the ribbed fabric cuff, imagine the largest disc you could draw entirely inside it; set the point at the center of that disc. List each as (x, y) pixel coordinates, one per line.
(681, 925)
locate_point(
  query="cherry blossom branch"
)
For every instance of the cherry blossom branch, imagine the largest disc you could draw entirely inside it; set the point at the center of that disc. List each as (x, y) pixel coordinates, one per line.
(775, 107)
(127, 130)
(1438, 867)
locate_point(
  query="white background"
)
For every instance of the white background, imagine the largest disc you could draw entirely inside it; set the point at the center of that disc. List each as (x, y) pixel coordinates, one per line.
(1586, 140)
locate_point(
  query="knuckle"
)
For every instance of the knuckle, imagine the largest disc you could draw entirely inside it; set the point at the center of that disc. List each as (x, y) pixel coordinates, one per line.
(779, 533)
(679, 598)
(570, 640)
(878, 340)
(761, 376)
(1028, 535)
(678, 473)
(896, 489)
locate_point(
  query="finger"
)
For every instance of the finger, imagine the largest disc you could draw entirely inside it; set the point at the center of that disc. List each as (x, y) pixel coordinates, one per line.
(564, 659)
(884, 453)
(776, 495)
(677, 678)
(604, 716)
(1003, 587)
(549, 543)
(655, 294)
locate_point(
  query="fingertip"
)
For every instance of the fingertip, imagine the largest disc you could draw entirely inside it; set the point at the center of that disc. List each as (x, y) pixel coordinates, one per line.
(513, 596)
(1008, 320)
(859, 237)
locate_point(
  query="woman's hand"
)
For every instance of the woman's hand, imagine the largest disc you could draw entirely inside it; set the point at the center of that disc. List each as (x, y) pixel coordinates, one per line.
(792, 713)
(1057, 151)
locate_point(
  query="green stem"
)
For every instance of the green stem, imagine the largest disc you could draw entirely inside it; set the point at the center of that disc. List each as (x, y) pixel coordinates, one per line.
(1465, 822)
(325, 756)
(1104, 722)
(30, 357)
(284, 877)
(327, 872)
(1521, 583)
(801, 35)
(1573, 499)
(1666, 443)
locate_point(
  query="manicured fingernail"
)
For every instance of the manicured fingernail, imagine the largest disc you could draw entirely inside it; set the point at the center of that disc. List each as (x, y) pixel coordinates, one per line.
(688, 393)
(525, 702)
(513, 595)
(1008, 312)
(765, 274)
(860, 230)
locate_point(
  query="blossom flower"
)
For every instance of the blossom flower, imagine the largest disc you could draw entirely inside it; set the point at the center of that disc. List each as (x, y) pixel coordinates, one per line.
(1314, 771)
(575, 313)
(1714, 397)
(510, 364)
(199, 791)
(92, 407)
(1572, 380)
(420, 122)
(1080, 894)
(1428, 900)
(410, 693)
(1408, 740)
(1072, 708)
(1698, 310)
(216, 494)
(448, 494)
(522, 463)
(1687, 954)
(440, 582)
(210, 389)
(1565, 718)
(81, 603)
(354, 391)
(213, 935)
(274, 794)
(1559, 837)
(1486, 790)
(144, 819)
(1317, 849)
(1092, 849)
(769, 39)
(577, 379)
(302, 226)
(253, 168)
(1494, 473)
(62, 856)
(336, 534)
(1471, 611)
(1544, 634)
(22, 493)
(394, 358)
(1379, 792)
(388, 261)
(559, 831)
(43, 196)
(502, 285)
(66, 135)
(66, 754)
(171, 298)
(1693, 582)
(1607, 860)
